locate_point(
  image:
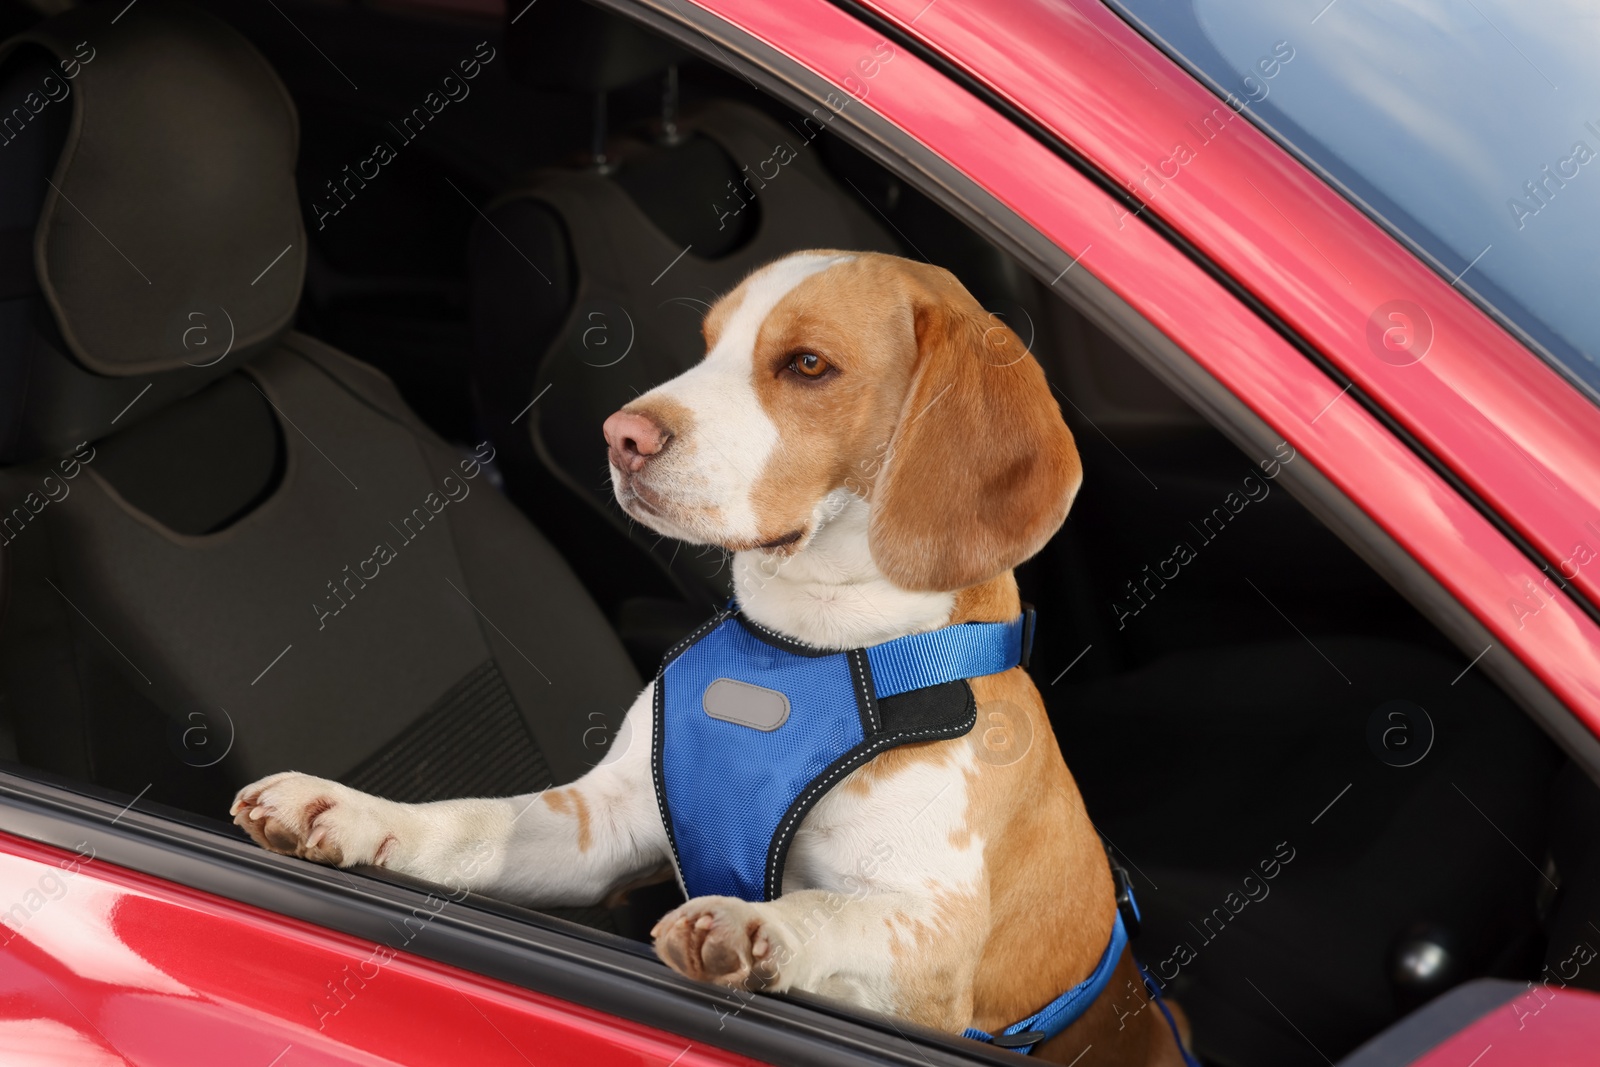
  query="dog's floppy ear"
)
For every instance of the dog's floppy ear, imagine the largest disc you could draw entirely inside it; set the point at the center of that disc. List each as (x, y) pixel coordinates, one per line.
(981, 469)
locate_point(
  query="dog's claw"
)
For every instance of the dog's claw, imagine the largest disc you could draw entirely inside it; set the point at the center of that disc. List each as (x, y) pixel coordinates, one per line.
(719, 939)
(298, 815)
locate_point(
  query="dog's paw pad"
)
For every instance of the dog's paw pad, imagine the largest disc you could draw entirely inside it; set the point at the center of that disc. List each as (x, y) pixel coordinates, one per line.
(298, 815)
(721, 940)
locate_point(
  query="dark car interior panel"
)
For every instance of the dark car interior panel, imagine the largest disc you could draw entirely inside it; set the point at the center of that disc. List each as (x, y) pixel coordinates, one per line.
(346, 510)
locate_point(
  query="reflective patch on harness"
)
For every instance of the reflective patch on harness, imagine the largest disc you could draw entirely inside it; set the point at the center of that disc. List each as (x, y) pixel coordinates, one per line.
(745, 705)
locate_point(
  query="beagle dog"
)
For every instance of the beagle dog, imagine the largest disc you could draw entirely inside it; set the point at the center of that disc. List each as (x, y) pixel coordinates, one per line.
(878, 453)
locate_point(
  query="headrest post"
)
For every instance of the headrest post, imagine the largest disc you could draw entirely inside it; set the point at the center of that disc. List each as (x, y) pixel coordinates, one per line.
(671, 134)
(598, 132)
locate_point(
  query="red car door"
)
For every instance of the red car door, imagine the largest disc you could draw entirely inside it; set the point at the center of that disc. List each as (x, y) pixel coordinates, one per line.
(132, 937)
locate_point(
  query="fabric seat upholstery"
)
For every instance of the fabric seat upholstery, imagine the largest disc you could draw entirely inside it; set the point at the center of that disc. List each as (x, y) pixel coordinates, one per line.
(269, 562)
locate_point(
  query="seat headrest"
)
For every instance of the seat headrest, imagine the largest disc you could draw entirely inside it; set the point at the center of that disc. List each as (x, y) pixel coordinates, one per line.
(173, 195)
(570, 45)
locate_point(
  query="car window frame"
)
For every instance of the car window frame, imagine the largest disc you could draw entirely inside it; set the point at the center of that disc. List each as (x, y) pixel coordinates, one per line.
(1483, 410)
(1363, 203)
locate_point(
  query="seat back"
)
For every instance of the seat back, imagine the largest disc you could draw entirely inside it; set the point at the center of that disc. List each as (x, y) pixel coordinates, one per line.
(263, 560)
(131, 147)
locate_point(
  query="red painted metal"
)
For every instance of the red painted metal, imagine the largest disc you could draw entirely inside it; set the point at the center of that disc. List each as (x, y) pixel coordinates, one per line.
(1456, 544)
(1550, 1025)
(1513, 429)
(102, 965)
(114, 966)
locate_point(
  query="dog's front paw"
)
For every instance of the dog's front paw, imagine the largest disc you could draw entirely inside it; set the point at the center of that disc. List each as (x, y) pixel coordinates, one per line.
(724, 940)
(315, 819)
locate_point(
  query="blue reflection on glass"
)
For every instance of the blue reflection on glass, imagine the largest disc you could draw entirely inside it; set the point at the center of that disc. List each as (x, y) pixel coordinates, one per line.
(1472, 127)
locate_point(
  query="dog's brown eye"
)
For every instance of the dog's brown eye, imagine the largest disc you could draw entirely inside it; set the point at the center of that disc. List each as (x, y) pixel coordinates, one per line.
(809, 365)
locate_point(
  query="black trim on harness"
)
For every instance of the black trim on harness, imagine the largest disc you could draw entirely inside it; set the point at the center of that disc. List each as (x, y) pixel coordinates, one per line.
(778, 851)
(784, 641)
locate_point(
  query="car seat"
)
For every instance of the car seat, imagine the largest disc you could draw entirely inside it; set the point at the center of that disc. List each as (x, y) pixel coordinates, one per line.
(230, 549)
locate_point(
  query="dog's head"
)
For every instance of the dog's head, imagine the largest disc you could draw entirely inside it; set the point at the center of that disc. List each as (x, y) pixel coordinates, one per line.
(834, 371)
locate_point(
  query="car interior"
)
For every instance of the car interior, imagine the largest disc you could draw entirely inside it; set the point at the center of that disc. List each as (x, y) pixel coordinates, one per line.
(221, 493)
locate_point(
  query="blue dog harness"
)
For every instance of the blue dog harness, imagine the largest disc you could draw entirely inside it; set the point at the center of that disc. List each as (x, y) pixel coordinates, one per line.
(744, 713)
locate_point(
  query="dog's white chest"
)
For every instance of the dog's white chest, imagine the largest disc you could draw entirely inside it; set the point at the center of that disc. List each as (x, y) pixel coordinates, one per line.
(907, 830)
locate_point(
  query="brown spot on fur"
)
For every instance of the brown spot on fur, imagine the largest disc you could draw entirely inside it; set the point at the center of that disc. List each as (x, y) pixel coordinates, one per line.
(832, 432)
(581, 807)
(887, 764)
(1050, 904)
(934, 958)
(571, 802)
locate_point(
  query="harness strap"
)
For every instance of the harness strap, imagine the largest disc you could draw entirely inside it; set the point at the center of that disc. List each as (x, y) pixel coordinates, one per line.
(1069, 1007)
(1166, 1013)
(1066, 1009)
(965, 650)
